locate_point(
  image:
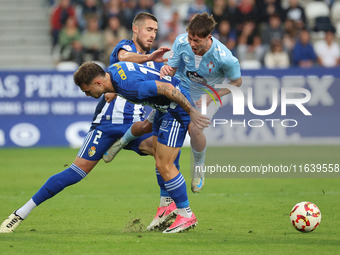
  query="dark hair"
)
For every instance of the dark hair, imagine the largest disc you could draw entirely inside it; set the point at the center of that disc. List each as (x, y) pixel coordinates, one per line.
(201, 25)
(87, 72)
(274, 43)
(304, 30)
(143, 16)
(275, 15)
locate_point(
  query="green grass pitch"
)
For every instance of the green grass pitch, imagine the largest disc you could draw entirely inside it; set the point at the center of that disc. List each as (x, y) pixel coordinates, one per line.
(108, 212)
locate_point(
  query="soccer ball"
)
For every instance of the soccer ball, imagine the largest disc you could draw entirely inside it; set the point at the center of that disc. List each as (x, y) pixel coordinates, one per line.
(305, 216)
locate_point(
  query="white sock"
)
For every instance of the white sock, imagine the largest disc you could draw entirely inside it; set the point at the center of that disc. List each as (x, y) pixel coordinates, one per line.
(185, 212)
(165, 201)
(24, 211)
(199, 156)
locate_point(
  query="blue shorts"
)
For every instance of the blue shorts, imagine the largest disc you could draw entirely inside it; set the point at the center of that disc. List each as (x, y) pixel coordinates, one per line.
(100, 139)
(171, 127)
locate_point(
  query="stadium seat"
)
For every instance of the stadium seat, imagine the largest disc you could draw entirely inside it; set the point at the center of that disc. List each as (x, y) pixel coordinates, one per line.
(335, 12)
(337, 27)
(316, 36)
(250, 64)
(316, 9)
(67, 66)
(183, 10)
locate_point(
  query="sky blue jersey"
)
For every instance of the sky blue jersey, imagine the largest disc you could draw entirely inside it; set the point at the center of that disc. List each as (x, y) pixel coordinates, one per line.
(136, 83)
(195, 71)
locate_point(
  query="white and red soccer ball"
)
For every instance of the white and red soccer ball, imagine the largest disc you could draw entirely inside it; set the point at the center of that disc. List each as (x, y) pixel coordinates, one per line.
(305, 216)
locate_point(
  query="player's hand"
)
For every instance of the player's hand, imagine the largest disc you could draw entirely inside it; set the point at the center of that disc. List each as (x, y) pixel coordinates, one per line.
(157, 55)
(198, 119)
(165, 70)
(198, 103)
(109, 97)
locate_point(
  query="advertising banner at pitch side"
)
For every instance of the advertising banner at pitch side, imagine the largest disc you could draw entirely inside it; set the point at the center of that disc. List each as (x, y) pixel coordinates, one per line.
(43, 109)
(279, 107)
(272, 107)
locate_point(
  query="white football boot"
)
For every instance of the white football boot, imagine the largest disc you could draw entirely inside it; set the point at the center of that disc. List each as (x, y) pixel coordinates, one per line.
(197, 181)
(10, 224)
(113, 151)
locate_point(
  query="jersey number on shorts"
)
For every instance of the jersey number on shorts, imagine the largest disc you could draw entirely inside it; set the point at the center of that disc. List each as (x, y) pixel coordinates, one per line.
(98, 136)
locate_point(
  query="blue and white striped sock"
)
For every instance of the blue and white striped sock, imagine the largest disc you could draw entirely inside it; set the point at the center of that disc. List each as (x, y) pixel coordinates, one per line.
(178, 192)
(58, 182)
(165, 196)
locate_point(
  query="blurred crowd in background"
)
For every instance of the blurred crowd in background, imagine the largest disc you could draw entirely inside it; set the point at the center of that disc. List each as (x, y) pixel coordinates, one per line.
(265, 33)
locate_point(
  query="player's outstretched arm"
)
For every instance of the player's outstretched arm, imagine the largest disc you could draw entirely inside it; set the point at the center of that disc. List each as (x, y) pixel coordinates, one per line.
(166, 89)
(220, 92)
(237, 83)
(127, 56)
(156, 56)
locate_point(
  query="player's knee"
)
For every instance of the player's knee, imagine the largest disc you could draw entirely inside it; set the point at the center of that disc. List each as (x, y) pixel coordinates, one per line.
(164, 170)
(163, 166)
(147, 127)
(194, 130)
(85, 165)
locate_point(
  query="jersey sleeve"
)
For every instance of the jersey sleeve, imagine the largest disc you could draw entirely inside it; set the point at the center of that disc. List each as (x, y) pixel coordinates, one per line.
(122, 45)
(147, 89)
(231, 68)
(158, 66)
(175, 56)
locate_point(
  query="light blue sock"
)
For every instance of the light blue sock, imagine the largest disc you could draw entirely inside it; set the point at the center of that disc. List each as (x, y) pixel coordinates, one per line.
(58, 182)
(128, 136)
(199, 157)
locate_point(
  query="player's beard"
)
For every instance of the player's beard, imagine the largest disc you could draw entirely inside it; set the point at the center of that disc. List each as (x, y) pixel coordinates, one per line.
(144, 48)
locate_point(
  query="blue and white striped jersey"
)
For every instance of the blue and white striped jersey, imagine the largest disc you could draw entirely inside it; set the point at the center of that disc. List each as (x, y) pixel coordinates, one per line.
(120, 111)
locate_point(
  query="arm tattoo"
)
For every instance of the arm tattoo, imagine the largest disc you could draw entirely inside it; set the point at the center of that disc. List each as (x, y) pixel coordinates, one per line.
(174, 95)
